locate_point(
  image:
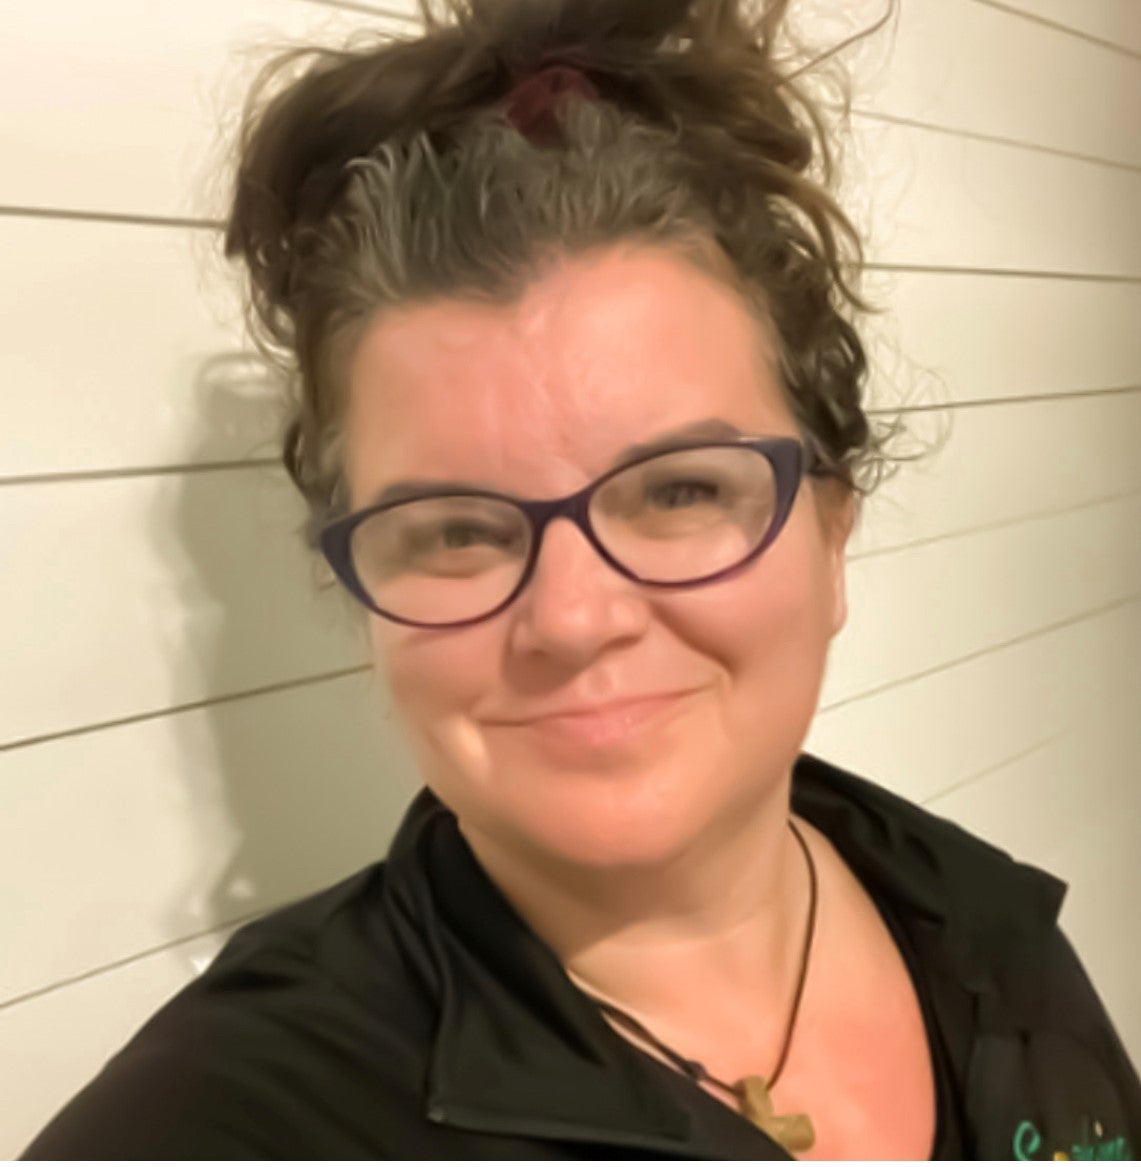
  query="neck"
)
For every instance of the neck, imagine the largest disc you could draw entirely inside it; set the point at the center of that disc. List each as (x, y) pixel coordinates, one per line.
(689, 947)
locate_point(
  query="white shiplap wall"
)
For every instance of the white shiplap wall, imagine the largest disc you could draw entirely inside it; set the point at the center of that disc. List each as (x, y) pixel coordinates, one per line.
(186, 736)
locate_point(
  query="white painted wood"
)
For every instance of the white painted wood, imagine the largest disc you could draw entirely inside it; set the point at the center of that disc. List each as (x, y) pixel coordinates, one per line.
(950, 337)
(120, 349)
(140, 594)
(125, 106)
(923, 737)
(122, 346)
(1116, 21)
(164, 829)
(973, 68)
(1003, 76)
(55, 1044)
(940, 602)
(929, 199)
(1002, 463)
(1073, 807)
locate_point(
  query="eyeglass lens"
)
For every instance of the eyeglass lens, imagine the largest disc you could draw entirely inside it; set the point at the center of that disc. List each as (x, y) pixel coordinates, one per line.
(680, 516)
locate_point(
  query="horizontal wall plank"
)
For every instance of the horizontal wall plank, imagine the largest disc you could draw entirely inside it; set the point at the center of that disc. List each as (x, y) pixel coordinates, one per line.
(55, 1044)
(125, 106)
(123, 346)
(164, 829)
(180, 588)
(1073, 807)
(142, 594)
(921, 738)
(999, 75)
(1002, 463)
(994, 74)
(1115, 21)
(964, 337)
(931, 605)
(928, 199)
(121, 349)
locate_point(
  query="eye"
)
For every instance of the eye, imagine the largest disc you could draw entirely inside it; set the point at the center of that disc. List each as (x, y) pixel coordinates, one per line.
(462, 535)
(457, 536)
(682, 492)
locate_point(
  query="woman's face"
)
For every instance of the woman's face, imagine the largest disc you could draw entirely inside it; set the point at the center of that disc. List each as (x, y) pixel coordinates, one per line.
(537, 399)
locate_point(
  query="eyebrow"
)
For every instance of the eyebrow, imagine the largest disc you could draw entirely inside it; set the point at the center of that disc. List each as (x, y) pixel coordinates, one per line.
(709, 428)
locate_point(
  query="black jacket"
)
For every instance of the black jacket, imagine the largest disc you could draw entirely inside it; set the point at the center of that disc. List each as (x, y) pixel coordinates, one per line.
(409, 1013)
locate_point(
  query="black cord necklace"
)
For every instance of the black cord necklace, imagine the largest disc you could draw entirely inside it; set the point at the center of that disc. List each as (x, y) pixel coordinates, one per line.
(794, 1132)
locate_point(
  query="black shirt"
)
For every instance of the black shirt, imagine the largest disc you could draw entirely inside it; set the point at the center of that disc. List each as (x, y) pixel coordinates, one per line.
(949, 1141)
(409, 1013)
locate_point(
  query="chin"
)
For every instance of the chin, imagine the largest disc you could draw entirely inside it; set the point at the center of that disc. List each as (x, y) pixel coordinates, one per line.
(635, 818)
(603, 839)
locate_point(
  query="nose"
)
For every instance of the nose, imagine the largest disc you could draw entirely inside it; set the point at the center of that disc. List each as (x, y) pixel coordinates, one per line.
(575, 604)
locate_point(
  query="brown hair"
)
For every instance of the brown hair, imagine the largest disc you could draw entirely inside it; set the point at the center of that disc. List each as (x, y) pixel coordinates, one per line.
(379, 174)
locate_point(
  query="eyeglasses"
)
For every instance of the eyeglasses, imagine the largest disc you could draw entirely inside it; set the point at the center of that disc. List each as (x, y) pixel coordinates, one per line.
(686, 517)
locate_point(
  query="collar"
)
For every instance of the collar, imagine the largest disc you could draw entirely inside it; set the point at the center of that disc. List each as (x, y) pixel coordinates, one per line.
(520, 1050)
(981, 906)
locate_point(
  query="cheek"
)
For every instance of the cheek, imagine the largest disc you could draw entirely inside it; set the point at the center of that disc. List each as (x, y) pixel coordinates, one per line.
(437, 683)
(782, 601)
(770, 629)
(432, 673)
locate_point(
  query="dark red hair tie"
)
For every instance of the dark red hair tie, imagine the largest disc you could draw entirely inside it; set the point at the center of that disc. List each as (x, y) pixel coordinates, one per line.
(531, 105)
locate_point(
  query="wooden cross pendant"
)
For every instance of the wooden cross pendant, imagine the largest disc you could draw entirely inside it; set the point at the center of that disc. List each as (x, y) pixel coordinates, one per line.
(793, 1131)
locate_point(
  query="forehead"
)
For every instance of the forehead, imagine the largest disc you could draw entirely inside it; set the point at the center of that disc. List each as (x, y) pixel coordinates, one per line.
(537, 396)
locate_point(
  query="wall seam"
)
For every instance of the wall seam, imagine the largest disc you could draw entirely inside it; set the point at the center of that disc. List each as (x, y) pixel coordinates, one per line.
(997, 525)
(998, 140)
(1064, 29)
(945, 666)
(274, 462)
(123, 962)
(186, 707)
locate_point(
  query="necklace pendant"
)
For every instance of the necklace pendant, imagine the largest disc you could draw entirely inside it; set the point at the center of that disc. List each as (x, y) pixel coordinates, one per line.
(794, 1132)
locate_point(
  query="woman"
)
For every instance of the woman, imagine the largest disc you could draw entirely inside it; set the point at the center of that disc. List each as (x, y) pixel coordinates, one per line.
(580, 426)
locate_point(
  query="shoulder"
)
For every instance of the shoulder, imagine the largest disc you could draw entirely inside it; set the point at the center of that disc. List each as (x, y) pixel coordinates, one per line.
(1049, 1075)
(1040, 1040)
(306, 1022)
(923, 862)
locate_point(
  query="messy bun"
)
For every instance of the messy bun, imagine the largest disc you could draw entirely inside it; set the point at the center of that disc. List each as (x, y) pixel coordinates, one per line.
(384, 173)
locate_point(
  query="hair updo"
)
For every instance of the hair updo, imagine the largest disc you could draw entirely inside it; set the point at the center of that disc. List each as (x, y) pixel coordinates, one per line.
(403, 170)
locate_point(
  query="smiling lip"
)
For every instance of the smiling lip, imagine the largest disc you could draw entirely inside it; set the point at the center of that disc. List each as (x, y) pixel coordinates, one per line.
(610, 724)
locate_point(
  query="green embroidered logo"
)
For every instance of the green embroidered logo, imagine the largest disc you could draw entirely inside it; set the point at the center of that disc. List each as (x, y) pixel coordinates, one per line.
(1093, 1144)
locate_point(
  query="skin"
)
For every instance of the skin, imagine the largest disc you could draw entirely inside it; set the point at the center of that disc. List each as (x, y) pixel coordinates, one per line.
(662, 872)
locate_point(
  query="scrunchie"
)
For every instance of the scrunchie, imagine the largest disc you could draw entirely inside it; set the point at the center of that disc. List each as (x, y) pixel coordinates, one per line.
(530, 106)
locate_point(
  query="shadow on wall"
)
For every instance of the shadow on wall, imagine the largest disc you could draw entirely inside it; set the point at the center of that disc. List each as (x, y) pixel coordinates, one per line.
(301, 784)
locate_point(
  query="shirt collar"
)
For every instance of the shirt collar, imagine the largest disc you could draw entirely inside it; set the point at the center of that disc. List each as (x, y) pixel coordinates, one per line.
(519, 1050)
(979, 904)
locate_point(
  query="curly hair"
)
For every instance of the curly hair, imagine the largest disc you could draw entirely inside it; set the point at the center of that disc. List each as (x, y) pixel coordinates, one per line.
(385, 173)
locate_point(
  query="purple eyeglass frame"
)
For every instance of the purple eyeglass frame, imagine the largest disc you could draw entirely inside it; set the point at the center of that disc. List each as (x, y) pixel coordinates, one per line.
(790, 459)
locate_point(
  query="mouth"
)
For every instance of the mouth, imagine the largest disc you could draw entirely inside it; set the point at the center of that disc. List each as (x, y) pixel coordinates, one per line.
(617, 724)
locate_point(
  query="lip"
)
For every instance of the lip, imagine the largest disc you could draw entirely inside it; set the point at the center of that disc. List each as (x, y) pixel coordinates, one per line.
(609, 724)
(601, 710)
